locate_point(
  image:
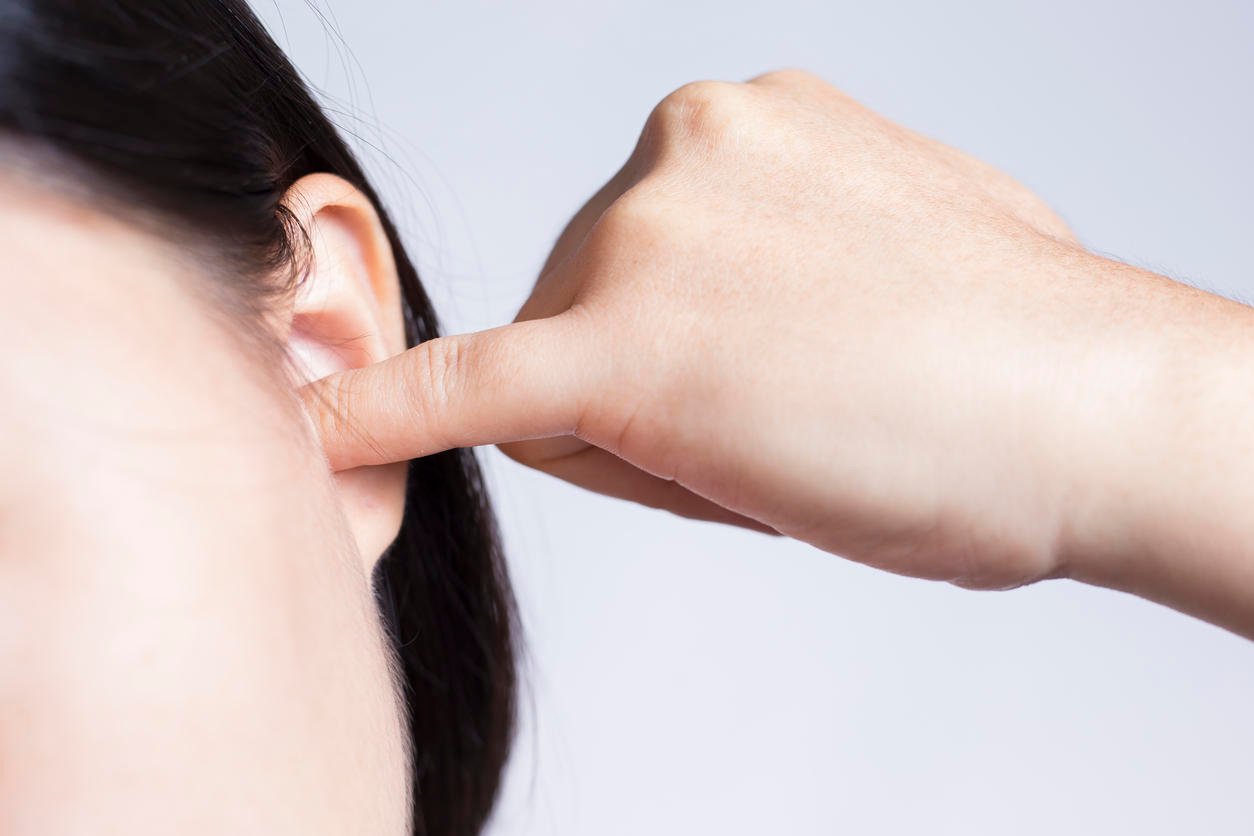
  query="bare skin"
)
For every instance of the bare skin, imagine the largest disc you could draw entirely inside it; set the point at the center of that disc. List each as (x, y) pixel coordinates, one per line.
(188, 637)
(788, 313)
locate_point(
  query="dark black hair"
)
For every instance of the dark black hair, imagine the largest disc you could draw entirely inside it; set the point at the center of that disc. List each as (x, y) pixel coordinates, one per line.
(188, 109)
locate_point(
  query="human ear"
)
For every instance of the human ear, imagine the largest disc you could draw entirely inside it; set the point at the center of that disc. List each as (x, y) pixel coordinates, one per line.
(346, 313)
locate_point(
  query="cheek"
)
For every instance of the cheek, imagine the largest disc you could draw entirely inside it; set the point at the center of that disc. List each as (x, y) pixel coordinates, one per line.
(184, 616)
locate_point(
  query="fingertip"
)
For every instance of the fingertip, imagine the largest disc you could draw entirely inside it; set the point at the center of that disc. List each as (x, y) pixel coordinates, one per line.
(321, 412)
(510, 383)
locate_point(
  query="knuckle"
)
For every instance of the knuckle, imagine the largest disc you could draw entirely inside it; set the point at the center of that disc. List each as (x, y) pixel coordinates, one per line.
(700, 92)
(630, 211)
(786, 77)
(443, 362)
(636, 219)
(700, 109)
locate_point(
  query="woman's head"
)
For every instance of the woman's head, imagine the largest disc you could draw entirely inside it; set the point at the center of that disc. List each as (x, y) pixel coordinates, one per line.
(173, 191)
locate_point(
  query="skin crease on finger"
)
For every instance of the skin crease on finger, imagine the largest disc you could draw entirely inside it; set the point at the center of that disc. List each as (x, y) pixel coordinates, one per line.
(179, 581)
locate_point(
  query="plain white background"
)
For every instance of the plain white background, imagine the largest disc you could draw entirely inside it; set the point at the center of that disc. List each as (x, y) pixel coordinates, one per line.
(688, 679)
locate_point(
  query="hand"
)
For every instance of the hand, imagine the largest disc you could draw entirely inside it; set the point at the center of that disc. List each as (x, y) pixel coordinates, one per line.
(789, 313)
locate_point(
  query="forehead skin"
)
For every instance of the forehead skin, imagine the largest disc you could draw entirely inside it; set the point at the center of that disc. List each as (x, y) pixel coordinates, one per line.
(187, 635)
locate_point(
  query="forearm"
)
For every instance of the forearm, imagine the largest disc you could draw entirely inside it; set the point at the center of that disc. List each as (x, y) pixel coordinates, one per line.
(1163, 506)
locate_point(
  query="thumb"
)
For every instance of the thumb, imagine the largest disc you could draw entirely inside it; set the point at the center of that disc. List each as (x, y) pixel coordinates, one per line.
(511, 383)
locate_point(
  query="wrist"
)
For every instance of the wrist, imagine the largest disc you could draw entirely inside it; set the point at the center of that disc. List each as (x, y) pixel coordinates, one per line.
(1158, 500)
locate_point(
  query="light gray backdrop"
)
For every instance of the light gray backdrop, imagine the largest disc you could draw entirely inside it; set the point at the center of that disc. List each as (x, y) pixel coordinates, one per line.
(687, 679)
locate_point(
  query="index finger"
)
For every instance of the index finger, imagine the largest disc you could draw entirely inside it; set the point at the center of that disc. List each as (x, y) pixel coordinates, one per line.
(511, 383)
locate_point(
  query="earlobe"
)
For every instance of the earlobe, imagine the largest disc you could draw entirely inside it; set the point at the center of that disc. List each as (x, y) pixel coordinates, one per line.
(346, 313)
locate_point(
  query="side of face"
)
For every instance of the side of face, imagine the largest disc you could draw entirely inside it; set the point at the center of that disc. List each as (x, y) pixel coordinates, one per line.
(184, 587)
